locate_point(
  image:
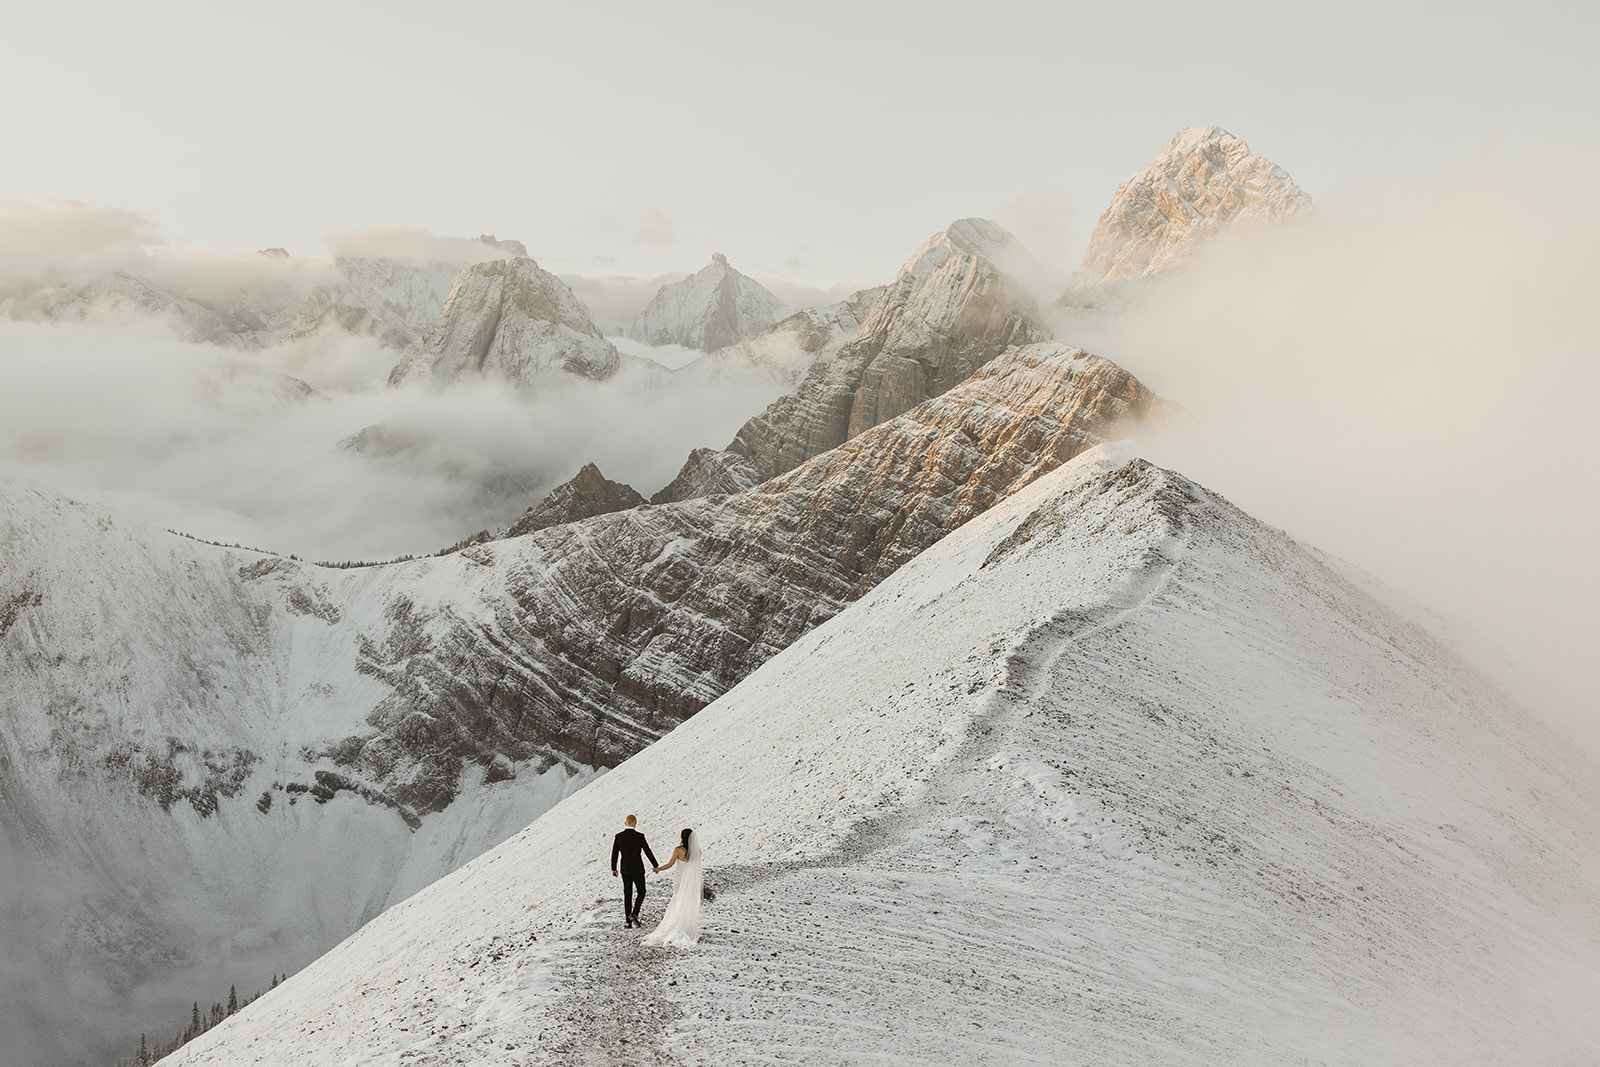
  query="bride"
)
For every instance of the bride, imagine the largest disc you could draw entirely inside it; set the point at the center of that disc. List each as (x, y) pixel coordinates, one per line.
(681, 923)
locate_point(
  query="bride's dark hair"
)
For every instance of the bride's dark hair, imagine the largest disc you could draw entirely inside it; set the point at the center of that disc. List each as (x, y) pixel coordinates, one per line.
(686, 832)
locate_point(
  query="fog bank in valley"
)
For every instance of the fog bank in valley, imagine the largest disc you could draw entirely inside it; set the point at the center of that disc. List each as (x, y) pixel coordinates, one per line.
(230, 447)
(1410, 389)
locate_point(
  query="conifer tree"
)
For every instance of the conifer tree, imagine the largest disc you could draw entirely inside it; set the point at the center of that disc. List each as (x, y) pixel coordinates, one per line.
(144, 1052)
(194, 1022)
(233, 1000)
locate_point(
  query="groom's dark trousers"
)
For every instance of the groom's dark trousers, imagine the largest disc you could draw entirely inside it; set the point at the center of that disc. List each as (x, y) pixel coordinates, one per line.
(627, 846)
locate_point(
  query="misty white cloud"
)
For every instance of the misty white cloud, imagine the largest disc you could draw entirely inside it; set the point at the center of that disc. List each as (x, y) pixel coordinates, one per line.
(653, 229)
(1411, 390)
(614, 301)
(231, 448)
(48, 239)
(410, 243)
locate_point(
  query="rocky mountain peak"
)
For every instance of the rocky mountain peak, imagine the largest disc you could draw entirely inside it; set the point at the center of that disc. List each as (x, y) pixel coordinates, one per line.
(952, 309)
(710, 309)
(511, 248)
(1204, 180)
(512, 320)
(587, 494)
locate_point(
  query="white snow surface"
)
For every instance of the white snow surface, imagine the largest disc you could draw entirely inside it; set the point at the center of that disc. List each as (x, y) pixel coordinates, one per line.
(1111, 774)
(128, 640)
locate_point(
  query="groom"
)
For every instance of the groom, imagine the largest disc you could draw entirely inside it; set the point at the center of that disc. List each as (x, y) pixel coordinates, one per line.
(628, 844)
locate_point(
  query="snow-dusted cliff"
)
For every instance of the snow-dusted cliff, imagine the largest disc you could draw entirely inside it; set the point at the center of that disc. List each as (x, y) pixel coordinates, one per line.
(712, 308)
(508, 320)
(950, 311)
(394, 300)
(1205, 180)
(1113, 774)
(390, 299)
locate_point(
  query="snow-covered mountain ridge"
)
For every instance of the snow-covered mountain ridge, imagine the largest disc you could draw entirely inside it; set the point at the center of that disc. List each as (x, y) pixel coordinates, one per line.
(278, 298)
(234, 707)
(1112, 774)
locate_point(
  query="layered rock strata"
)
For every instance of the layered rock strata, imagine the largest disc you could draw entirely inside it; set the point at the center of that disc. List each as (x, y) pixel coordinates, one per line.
(950, 311)
(607, 633)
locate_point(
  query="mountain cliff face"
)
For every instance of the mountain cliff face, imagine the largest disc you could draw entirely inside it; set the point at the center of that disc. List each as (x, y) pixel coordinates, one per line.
(228, 710)
(1206, 179)
(712, 308)
(789, 348)
(392, 300)
(509, 320)
(950, 311)
(1114, 774)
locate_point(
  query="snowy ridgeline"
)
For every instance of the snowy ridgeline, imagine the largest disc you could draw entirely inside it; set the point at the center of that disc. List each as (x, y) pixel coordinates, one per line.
(1111, 774)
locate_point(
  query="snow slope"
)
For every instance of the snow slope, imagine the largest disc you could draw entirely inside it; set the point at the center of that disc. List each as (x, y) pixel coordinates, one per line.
(1111, 774)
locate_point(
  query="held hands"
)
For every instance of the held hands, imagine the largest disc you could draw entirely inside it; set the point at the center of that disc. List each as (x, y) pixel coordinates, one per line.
(656, 869)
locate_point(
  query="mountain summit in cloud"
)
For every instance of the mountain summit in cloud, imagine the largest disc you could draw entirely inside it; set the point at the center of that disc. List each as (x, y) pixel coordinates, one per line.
(1204, 180)
(510, 320)
(711, 308)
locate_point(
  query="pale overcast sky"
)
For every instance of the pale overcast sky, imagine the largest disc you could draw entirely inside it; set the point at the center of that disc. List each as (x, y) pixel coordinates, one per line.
(816, 142)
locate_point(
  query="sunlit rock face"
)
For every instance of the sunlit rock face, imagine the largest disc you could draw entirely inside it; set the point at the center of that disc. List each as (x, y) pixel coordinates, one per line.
(951, 310)
(710, 309)
(1206, 179)
(512, 321)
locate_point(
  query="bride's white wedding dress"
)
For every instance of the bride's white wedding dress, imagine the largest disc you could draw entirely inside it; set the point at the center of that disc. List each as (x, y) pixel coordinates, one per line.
(681, 923)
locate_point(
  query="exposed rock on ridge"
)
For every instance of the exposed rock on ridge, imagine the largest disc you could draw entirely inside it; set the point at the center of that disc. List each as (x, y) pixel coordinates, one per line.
(712, 308)
(587, 494)
(1204, 180)
(613, 630)
(950, 311)
(510, 320)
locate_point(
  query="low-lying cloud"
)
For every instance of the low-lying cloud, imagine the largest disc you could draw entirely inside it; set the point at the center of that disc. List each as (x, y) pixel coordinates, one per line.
(230, 448)
(1411, 390)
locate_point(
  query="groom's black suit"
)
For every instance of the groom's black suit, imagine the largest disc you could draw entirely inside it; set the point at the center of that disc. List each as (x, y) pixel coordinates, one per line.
(628, 845)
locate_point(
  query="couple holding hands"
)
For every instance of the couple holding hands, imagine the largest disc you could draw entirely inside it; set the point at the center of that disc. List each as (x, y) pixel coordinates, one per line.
(681, 923)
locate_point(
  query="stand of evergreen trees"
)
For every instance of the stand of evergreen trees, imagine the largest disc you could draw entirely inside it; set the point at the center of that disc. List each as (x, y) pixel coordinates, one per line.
(198, 1024)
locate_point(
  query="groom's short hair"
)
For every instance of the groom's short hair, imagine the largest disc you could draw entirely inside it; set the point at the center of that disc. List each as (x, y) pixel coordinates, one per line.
(630, 820)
